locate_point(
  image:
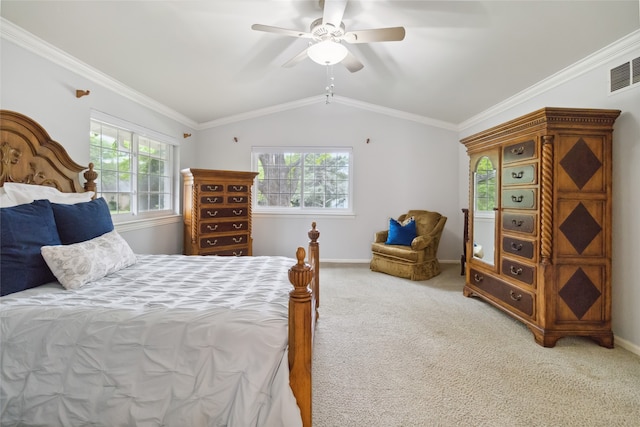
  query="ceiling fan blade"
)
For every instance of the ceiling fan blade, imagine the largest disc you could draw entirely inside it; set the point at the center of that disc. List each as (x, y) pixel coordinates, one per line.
(352, 63)
(333, 12)
(296, 59)
(392, 34)
(283, 31)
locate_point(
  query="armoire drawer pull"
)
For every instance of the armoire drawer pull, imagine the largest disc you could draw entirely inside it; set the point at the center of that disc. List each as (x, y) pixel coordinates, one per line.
(478, 278)
(517, 199)
(515, 271)
(212, 227)
(238, 226)
(210, 243)
(238, 187)
(518, 151)
(238, 212)
(212, 187)
(237, 239)
(517, 175)
(516, 247)
(215, 213)
(517, 223)
(214, 200)
(238, 253)
(238, 199)
(515, 297)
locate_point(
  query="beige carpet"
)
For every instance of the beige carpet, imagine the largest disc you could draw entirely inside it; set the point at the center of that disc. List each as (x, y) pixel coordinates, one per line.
(391, 352)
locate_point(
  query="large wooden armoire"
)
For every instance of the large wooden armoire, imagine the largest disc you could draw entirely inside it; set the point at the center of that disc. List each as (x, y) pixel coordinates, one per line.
(217, 212)
(540, 221)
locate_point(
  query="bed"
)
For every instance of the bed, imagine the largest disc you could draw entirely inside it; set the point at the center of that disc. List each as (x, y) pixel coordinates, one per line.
(109, 337)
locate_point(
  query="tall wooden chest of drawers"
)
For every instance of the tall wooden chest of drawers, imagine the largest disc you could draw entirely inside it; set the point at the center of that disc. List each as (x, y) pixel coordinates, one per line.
(549, 224)
(217, 212)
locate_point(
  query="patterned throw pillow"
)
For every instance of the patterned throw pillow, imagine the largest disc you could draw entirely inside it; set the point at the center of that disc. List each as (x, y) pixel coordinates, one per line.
(80, 263)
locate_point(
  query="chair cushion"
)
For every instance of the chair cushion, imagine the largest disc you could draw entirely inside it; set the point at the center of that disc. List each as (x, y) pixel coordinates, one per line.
(401, 233)
(400, 252)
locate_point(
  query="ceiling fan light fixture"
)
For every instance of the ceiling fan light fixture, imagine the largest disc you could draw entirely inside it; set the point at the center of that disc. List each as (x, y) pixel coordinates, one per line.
(327, 52)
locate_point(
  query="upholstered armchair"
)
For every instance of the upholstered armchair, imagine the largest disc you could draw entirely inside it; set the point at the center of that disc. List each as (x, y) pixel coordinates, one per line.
(415, 258)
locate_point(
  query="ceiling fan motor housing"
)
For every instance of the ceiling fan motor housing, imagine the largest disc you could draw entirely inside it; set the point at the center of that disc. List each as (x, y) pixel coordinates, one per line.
(321, 32)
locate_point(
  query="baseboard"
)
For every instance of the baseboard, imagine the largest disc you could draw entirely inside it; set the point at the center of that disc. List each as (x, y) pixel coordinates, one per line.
(627, 345)
(368, 260)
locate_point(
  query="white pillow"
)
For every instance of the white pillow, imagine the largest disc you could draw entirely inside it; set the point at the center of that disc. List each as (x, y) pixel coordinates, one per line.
(5, 200)
(80, 263)
(27, 193)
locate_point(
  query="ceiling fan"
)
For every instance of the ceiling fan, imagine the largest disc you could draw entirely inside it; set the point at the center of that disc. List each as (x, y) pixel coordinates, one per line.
(328, 33)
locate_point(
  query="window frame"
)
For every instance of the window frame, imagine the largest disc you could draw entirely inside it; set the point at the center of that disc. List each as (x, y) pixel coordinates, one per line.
(138, 131)
(299, 210)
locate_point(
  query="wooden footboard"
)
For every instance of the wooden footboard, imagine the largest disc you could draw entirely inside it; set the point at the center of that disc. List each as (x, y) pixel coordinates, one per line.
(303, 313)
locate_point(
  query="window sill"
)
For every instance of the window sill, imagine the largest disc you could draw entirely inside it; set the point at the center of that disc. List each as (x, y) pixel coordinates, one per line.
(139, 224)
(303, 214)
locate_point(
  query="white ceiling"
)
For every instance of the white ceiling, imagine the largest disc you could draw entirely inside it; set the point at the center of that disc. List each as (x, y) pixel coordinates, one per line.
(201, 58)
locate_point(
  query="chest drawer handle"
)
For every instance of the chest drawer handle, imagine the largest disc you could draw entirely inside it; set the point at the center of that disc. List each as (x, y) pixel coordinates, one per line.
(518, 175)
(517, 151)
(237, 253)
(214, 200)
(212, 187)
(478, 278)
(237, 239)
(238, 187)
(238, 199)
(212, 227)
(515, 297)
(517, 199)
(237, 212)
(517, 223)
(238, 226)
(212, 214)
(515, 271)
(516, 247)
(210, 243)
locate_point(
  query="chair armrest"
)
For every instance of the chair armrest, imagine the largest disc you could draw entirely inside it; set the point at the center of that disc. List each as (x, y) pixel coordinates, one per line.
(380, 236)
(421, 242)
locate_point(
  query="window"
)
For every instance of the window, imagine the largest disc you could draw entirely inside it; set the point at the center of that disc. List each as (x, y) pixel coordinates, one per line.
(136, 168)
(486, 186)
(297, 179)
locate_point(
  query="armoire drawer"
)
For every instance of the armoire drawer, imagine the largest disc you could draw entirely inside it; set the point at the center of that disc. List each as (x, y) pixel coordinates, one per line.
(237, 188)
(208, 213)
(523, 248)
(521, 272)
(238, 199)
(522, 223)
(511, 295)
(223, 227)
(211, 188)
(216, 242)
(236, 251)
(211, 200)
(522, 198)
(519, 175)
(520, 151)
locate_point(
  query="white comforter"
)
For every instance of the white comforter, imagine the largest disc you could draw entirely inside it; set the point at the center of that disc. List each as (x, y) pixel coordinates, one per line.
(169, 341)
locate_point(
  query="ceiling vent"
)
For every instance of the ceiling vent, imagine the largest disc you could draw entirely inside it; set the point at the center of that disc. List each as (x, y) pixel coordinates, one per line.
(624, 75)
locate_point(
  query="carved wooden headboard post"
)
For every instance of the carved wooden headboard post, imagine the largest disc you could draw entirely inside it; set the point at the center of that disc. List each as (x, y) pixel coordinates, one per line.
(28, 155)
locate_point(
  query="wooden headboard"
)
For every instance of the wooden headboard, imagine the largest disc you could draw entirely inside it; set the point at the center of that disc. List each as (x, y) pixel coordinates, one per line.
(28, 155)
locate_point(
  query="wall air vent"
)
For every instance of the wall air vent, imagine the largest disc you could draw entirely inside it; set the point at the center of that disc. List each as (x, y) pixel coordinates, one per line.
(624, 75)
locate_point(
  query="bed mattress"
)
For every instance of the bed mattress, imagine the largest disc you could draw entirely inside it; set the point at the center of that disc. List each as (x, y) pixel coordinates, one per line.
(172, 340)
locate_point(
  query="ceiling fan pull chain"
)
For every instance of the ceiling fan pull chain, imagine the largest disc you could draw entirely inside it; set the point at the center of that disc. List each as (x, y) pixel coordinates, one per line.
(330, 84)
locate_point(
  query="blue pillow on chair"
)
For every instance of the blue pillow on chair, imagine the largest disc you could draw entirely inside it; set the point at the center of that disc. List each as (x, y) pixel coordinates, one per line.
(401, 233)
(82, 221)
(24, 230)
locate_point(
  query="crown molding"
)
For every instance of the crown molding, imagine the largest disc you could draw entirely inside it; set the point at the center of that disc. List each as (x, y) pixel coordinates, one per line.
(337, 100)
(621, 47)
(28, 41)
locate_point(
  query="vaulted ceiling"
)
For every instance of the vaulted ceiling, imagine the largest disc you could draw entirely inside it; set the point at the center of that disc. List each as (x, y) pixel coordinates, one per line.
(203, 60)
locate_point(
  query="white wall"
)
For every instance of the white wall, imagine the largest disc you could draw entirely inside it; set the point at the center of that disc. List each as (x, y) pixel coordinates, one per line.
(406, 165)
(590, 90)
(45, 92)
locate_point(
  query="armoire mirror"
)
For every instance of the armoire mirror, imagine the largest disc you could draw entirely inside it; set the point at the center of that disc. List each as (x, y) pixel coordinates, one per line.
(485, 197)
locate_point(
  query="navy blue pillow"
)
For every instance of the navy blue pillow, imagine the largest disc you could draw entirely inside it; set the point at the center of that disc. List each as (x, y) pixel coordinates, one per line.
(24, 230)
(82, 221)
(401, 234)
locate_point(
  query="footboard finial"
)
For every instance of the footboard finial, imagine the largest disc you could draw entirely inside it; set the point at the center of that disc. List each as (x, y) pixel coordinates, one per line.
(313, 233)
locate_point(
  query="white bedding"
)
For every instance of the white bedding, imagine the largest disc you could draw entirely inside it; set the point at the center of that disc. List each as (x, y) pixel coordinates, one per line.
(170, 341)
